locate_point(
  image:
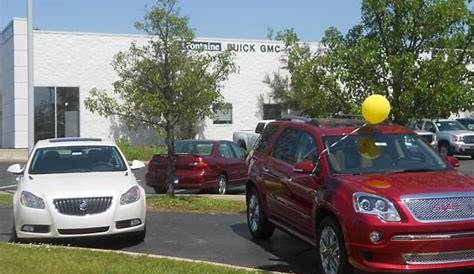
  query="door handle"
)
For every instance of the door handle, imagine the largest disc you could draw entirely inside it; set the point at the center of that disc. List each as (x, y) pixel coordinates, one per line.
(286, 180)
(265, 169)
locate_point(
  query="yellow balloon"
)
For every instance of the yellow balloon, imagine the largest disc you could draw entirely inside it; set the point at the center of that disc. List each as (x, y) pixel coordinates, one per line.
(375, 109)
(368, 148)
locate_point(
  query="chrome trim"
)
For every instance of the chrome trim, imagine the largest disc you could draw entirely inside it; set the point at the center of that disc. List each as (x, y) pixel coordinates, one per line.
(439, 257)
(441, 236)
(442, 195)
(437, 195)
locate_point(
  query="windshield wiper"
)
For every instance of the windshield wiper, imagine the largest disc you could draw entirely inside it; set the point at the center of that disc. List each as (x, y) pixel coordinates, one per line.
(424, 169)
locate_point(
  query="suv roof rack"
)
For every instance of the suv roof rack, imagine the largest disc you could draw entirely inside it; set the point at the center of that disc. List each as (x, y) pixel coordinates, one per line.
(348, 121)
(74, 139)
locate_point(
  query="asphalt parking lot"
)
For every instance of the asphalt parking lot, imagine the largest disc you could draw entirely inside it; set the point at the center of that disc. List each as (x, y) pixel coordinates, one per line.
(217, 238)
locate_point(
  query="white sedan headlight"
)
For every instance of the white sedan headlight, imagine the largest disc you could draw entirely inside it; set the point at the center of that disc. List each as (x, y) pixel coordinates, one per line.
(131, 196)
(28, 199)
(366, 203)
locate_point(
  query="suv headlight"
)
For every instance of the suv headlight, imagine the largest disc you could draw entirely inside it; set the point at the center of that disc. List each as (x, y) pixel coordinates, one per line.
(28, 199)
(131, 196)
(457, 138)
(366, 203)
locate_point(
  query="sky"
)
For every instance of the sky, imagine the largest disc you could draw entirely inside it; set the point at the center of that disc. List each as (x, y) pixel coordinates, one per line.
(245, 19)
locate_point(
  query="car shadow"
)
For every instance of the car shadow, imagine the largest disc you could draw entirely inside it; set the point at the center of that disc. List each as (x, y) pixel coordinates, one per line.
(99, 242)
(294, 255)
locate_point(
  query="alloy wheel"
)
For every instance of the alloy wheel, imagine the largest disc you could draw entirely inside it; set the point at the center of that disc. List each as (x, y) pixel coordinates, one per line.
(222, 185)
(329, 251)
(253, 213)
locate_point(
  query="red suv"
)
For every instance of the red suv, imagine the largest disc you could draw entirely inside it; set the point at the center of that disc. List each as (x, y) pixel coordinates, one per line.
(378, 199)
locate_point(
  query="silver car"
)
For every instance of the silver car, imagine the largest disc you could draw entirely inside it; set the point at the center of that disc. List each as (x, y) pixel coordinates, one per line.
(453, 137)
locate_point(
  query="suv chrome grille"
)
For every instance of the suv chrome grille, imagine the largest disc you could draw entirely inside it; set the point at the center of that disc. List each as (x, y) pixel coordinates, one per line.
(439, 257)
(469, 139)
(82, 206)
(441, 207)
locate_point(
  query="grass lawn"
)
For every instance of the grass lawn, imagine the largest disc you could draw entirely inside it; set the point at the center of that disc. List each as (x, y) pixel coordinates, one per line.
(46, 259)
(195, 204)
(177, 204)
(139, 152)
(5, 200)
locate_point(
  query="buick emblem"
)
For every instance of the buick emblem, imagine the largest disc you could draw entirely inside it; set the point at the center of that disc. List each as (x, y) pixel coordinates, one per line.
(83, 206)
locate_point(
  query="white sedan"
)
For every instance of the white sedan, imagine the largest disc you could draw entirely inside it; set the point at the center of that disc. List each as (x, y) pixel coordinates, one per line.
(78, 187)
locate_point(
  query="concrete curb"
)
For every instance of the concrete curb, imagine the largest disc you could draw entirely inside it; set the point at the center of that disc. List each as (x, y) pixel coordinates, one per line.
(154, 256)
(233, 197)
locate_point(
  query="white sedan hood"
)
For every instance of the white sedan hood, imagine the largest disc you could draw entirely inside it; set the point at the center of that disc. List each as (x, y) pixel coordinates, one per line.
(72, 185)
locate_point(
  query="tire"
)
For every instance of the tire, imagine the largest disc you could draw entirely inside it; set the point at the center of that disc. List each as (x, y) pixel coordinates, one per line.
(14, 238)
(258, 224)
(445, 149)
(159, 189)
(138, 237)
(221, 184)
(331, 255)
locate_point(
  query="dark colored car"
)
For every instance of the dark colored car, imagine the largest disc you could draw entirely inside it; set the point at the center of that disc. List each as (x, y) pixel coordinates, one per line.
(378, 199)
(201, 164)
(467, 122)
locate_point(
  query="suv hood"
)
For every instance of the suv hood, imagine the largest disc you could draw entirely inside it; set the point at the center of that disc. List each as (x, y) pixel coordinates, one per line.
(79, 185)
(458, 132)
(397, 184)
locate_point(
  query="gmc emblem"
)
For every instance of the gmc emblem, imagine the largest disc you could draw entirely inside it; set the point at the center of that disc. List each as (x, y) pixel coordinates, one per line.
(446, 207)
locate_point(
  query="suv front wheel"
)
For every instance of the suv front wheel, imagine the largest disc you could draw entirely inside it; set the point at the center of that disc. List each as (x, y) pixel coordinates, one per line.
(258, 224)
(331, 252)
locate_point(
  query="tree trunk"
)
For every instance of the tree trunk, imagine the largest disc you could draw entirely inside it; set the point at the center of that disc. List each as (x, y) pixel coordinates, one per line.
(171, 171)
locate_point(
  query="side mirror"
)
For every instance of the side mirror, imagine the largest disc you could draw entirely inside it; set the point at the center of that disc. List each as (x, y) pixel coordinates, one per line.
(137, 165)
(260, 127)
(452, 161)
(15, 169)
(304, 167)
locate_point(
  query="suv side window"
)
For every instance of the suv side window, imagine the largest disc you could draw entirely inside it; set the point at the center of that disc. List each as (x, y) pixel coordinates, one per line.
(429, 126)
(307, 149)
(285, 147)
(225, 151)
(266, 137)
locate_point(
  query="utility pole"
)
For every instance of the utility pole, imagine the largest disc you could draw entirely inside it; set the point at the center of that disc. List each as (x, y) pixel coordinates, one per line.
(31, 98)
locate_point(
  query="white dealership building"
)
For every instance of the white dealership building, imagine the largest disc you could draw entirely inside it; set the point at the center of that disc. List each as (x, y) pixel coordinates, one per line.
(67, 65)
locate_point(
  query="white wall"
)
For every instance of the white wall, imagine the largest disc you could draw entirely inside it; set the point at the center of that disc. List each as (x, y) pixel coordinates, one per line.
(83, 60)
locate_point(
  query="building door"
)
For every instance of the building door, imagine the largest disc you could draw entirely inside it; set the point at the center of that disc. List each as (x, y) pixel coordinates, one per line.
(56, 112)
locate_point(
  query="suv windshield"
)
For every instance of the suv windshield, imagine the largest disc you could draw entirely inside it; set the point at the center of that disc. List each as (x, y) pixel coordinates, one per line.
(449, 125)
(381, 153)
(72, 159)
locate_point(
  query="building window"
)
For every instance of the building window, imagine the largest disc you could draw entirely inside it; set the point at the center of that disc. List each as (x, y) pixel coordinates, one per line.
(224, 114)
(271, 111)
(56, 112)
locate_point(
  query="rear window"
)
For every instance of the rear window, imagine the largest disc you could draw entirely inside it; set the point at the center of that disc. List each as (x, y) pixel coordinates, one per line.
(194, 147)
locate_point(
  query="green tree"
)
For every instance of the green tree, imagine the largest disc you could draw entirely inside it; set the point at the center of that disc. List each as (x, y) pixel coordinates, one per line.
(415, 52)
(162, 84)
(310, 89)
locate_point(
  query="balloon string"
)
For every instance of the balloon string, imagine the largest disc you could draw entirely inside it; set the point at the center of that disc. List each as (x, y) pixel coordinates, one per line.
(335, 143)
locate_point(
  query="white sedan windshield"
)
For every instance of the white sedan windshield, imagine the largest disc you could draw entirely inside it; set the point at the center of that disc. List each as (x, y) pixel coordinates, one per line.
(71, 159)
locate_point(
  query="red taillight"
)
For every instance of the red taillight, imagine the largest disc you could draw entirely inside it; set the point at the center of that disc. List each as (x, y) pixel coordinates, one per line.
(198, 163)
